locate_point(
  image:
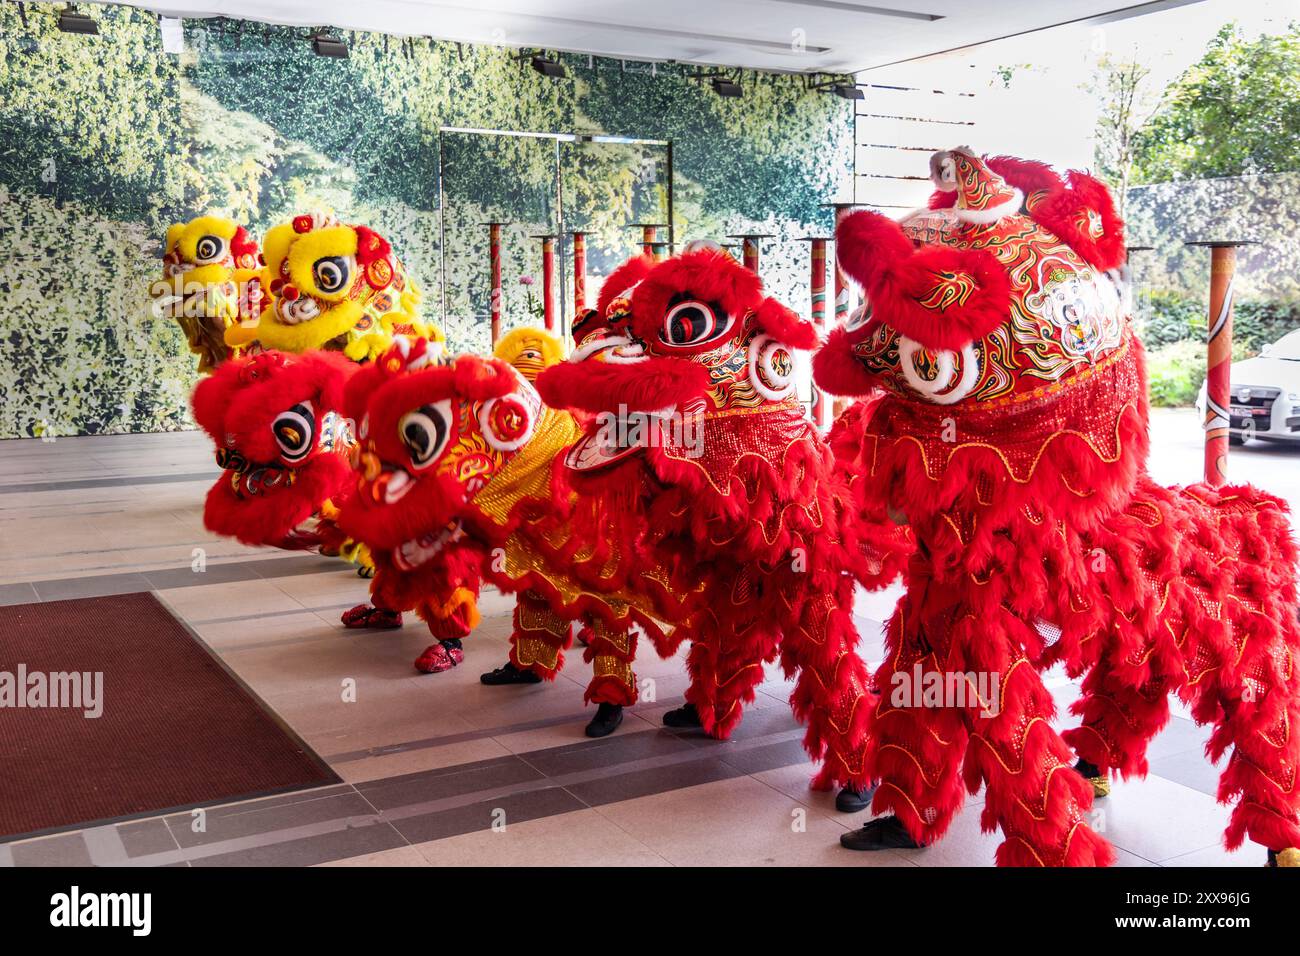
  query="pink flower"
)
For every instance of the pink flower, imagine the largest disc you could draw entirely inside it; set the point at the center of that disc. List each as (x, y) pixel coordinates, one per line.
(525, 280)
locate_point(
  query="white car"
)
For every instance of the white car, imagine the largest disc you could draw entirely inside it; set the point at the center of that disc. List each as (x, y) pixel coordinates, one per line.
(1266, 394)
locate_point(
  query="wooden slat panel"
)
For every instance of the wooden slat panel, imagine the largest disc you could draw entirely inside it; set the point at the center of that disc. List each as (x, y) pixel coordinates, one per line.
(922, 74)
(916, 104)
(893, 162)
(892, 192)
(882, 131)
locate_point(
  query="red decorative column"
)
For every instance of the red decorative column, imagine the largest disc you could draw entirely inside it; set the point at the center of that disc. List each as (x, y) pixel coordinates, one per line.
(548, 281)
(579, 273)
(1218, 378)
(650, 244)
(494, 268)
(817, 312)
(749, 248)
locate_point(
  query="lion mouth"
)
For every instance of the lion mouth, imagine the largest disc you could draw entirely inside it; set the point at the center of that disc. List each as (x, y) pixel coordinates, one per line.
(295, 311)
(420, 551)
(205, 301)
(618, 436)
(615, 349)
(255, 481)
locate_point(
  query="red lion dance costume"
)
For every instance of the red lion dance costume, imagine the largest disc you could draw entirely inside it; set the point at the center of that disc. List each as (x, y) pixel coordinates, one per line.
(457, 461)
(1012, 437)
(703, 447)
(283, 445)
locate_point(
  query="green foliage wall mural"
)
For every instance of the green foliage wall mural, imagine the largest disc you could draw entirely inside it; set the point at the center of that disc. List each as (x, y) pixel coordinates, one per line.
(106, 140)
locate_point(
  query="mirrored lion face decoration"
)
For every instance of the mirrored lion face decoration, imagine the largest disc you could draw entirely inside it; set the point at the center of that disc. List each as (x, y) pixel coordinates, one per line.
(333, 286)
(211, 283)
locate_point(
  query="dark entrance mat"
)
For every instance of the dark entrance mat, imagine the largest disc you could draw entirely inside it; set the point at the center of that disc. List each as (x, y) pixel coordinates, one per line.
(176, 730)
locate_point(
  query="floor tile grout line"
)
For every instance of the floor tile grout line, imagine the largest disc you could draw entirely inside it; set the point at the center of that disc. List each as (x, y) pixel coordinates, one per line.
(104, 845)
(395, 815)
(431, 743)
(631, 836)
(79, 484)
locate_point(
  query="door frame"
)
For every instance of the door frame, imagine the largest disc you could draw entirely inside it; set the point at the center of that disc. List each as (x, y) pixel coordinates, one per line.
(561, 235)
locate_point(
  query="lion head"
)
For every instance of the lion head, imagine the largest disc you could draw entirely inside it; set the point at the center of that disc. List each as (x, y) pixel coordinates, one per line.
(433, 433)
(333, 286)
(211, 282)
(282, 443)
(997, 327)
(675, 348)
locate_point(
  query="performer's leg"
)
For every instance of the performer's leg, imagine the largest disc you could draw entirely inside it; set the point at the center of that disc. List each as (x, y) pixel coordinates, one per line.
(610, 651)
(1259, 718)
(1031, 791)
(913, 750)
(830, 694)
(449, 621)
(1253, 695)
(1119, 722)
(537, 643)
(725, 666)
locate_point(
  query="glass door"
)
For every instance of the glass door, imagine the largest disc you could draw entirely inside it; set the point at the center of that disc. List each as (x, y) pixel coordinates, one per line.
(530, 186)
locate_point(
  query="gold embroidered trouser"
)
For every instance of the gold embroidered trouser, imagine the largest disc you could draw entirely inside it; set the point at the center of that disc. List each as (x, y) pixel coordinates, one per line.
(610, 651)
(540, 636)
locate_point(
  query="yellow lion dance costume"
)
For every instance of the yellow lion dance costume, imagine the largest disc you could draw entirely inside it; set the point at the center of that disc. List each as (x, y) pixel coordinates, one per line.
(335, 287)
(211, 284)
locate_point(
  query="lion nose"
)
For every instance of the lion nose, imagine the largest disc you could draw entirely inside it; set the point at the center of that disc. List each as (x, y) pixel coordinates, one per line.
(368, 464)
(289, 292)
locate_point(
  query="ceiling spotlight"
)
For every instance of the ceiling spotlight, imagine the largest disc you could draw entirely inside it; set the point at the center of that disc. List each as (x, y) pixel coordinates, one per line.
(722, 84)
(70, 21)
(841, 86)
(725, 87)
(548, 67)
(322, 44)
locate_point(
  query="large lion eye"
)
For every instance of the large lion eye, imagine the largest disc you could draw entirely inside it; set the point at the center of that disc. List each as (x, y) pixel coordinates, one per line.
(692, 322)
(295, 432)
(424, 432)
(209, 249)
(332, 273)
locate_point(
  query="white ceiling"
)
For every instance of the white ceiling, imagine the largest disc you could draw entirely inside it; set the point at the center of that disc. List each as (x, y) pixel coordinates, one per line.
(798, 35)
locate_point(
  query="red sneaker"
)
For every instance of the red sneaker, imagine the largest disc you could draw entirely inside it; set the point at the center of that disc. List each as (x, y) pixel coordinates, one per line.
(369, 616)
(438, 658)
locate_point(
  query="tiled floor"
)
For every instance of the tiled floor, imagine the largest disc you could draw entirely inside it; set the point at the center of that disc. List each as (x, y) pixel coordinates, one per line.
(439, 770)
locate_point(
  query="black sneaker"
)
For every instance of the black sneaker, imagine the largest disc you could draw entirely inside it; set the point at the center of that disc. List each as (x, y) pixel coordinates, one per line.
(1093, 774)
(684, 716)
(849, 800)
(884, 833)
(507, 673)
(606, 721)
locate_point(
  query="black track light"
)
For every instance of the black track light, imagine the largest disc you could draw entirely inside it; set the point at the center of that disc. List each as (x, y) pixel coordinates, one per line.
(70, 21)
(548, 67)
(725, 87)
(322, 44)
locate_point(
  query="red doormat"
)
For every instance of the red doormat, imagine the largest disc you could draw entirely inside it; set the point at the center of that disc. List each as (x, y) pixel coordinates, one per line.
(111, 708)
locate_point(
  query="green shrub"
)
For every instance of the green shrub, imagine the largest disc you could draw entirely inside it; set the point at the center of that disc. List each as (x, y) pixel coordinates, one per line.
(1175, 372)
(1164, 318)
